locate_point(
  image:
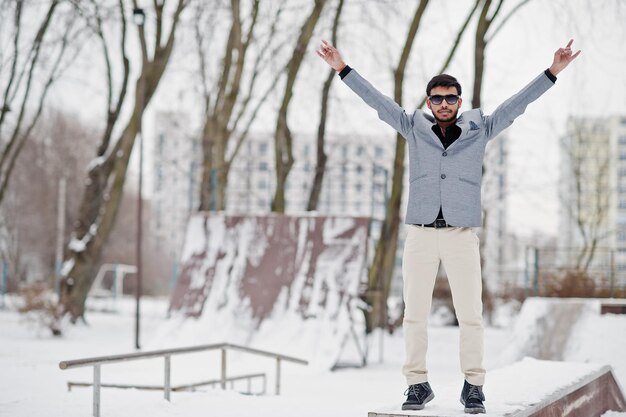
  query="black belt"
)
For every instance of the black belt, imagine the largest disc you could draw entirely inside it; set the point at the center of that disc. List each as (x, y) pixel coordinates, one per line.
(437, 224)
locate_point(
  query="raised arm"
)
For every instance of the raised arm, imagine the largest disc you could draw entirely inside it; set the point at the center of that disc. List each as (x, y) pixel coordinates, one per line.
(388, 110)
(515, 106)
(331, 55)
(562, 58)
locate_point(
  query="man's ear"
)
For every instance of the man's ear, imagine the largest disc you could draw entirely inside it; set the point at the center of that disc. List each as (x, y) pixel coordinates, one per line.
(428, 104)
(460, 102)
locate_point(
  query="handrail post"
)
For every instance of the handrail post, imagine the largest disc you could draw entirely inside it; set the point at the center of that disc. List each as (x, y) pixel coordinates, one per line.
(223, 368)
(96, 391)
(277, 376)
(166, 382)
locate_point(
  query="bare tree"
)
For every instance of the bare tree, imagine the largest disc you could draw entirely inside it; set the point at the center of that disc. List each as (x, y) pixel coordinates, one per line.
(282, 135)
(33, 55)
(587, 201)
(320, 166)
(381, 270)
(482, 38)
(232, 101)
(107, 173)
(55, 152)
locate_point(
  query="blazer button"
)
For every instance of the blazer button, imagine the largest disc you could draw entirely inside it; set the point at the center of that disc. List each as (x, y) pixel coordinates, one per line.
(445, 154)
(443, 176)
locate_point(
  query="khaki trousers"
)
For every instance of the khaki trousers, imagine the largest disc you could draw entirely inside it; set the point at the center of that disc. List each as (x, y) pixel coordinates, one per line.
(458, 249)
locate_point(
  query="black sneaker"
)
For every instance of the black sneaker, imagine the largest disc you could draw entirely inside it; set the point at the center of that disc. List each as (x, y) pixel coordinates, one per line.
(417, 395)
(472, 398)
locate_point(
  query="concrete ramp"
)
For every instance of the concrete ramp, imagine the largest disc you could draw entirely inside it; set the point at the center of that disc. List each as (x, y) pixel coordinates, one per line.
(544, 327)
(532, 388)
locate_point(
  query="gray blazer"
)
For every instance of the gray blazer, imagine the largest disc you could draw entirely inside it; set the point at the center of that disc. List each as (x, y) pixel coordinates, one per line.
(447, 178)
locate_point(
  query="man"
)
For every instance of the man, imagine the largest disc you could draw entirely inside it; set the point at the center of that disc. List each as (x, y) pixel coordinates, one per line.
(446, 152)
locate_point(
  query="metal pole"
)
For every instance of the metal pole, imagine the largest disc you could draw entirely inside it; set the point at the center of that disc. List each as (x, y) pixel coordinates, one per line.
(116, 286)
(373, 190)
(223, 368)
(138, 288)
(612, 271)
(277, 376)
(536, 272)
(96, 391)
(139, 16)
(166, 383)
(60, 236)
(381, 347)
(5, 282)
(526, 272)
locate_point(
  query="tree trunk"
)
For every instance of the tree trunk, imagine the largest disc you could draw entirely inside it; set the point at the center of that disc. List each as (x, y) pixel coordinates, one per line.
(282, 136)
(320, 165)
(25, 68)
(219, 113)
(104, 187)
(381, 270)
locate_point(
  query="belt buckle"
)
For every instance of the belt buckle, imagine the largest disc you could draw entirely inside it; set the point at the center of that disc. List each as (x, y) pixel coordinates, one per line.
(439, 223)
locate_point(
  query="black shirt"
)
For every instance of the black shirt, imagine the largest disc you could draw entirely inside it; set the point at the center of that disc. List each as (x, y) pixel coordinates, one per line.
(452, 133)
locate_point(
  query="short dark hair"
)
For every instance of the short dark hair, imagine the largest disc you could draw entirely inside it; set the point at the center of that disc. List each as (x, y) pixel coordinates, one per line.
(443, 80)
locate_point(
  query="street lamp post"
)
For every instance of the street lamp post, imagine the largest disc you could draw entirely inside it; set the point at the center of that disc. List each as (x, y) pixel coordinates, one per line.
(139, 18)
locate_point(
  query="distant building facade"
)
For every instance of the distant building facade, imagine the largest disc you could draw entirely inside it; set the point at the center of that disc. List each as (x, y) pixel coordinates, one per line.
(593, 195)
(176, 179)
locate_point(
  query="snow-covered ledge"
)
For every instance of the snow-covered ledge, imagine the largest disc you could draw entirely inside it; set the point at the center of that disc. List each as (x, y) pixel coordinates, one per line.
(534, 388)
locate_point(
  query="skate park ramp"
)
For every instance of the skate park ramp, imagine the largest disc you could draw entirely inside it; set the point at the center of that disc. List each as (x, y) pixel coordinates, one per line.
(568, 329)
(288, 284)
(544, 327)
(532, 388)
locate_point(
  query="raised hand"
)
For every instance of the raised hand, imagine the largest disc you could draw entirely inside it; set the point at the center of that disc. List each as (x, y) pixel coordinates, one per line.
(562, 58)
(331, 55)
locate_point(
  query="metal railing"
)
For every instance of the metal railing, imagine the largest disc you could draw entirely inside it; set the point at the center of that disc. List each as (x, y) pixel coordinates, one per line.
(184, 387)
(166, 354)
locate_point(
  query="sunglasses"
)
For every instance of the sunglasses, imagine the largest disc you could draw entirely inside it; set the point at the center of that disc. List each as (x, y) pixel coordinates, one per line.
(438, 99)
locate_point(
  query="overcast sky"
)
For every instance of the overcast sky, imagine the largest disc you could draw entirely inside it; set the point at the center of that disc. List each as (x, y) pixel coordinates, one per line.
(593, 85)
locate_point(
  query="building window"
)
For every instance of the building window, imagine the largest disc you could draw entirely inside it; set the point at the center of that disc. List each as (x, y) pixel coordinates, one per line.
(263, 166)
(378, 152)
(263, 148)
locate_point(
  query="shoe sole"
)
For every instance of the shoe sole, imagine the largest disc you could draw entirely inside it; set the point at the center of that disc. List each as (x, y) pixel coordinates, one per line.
(473, 410)
(418, 406)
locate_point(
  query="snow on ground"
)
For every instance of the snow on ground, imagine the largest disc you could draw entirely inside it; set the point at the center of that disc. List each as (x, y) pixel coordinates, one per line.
(31, 383)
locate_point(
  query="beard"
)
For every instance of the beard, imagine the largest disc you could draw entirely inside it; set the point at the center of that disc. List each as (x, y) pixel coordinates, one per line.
(446, 117)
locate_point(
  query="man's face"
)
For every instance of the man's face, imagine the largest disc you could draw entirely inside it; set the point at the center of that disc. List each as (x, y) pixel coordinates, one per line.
(444, 112)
